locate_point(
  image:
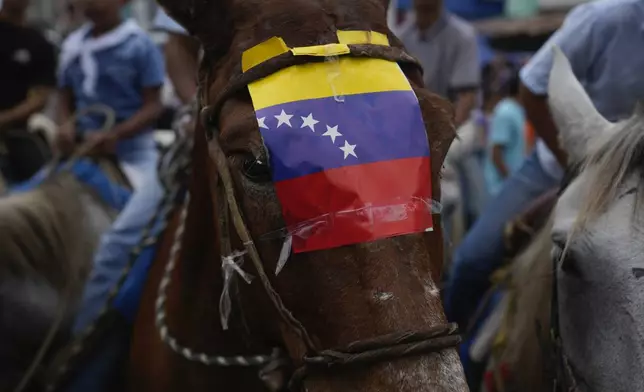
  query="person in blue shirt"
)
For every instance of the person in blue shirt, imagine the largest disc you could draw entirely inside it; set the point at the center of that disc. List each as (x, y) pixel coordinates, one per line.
(114, 62)
(506, 137)
(111, 60)
(603, 40)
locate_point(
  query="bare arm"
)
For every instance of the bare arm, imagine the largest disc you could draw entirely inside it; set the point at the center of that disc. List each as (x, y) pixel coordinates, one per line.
(65, 105)
(465, 103)
(539, 115)
(181, 53)
(465, 77)
(66, 128)
(144, 118)
(497, 159)
(36, 100)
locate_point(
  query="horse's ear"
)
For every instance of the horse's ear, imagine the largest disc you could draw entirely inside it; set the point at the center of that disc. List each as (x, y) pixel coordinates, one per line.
(201, 18)
(639, 109)
(578, 121)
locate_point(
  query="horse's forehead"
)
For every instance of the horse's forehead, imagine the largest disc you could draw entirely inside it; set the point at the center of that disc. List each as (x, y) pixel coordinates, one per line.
(239, 127)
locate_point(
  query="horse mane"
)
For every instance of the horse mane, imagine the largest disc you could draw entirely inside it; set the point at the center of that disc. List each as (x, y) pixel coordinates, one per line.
(610, 162)
(39, 233)
(531, 289)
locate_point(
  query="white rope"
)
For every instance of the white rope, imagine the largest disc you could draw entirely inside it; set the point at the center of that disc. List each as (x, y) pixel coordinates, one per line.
(161, 324)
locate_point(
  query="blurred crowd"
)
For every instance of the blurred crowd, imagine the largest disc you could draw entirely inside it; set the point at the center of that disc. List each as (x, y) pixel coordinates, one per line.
(509, 154)
(36, 73)
(105, 82)
(494, 134)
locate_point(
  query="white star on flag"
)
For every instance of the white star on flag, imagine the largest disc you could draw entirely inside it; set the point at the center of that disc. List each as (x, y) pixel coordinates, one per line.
(348, 149)
(284, 118)
(260, 122)
(332, 132)
(309, 121)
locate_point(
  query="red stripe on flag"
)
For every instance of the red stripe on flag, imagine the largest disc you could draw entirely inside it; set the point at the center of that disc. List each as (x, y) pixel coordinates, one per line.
(358, 203)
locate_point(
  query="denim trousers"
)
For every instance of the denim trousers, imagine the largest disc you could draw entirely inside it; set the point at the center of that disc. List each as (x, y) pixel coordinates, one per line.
(481, 251)
(108, 265)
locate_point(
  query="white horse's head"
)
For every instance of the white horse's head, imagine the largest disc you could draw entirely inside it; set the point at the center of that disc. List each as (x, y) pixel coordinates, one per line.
(598, 239)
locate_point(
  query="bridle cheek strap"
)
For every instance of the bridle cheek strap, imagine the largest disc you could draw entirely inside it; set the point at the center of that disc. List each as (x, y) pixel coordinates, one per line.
(218, 157)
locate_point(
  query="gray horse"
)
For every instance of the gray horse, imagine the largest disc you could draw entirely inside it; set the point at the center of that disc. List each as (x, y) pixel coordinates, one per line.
(47, 239)
(598, 240)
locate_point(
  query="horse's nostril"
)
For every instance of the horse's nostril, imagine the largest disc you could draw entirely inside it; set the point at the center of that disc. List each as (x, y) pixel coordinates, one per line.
(257, 170)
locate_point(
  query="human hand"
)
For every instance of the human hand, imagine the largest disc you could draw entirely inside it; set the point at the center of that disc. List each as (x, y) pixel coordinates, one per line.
(101, 142)
(184, 120)
(64, 141)
(188, 128)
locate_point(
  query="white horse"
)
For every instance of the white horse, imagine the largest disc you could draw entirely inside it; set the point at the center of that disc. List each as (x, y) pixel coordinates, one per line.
(598, 240)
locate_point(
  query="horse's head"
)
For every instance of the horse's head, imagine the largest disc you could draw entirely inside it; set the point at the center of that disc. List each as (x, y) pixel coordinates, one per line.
(339, 295)
(597, 236)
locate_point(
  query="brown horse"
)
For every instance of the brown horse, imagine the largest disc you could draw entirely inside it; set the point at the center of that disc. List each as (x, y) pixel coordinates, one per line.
(342, 295)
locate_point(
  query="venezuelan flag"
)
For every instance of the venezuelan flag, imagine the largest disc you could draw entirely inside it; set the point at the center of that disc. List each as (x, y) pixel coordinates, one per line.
(348, 151)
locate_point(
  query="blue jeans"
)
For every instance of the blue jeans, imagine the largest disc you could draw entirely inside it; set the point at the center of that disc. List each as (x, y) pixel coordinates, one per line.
(102, 368)
(481, 251)
(109, 262)
(113, 253)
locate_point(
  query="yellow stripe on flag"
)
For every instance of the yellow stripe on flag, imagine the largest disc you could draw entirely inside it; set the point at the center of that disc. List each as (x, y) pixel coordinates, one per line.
(342, 76)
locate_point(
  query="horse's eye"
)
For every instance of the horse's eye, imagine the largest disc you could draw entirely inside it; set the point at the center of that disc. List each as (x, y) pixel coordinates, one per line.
(256, 169)
(569, 263)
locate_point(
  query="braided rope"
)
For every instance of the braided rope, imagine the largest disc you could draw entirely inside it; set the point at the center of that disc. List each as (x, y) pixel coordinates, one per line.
(161, 313)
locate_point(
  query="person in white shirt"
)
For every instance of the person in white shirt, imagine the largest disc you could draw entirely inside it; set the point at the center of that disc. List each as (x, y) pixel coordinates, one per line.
(447, 48)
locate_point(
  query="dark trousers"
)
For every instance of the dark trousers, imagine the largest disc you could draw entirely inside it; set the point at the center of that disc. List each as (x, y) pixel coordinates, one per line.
(22, 154)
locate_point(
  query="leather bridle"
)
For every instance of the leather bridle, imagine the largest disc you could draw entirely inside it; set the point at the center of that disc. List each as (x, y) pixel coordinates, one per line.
(379, 349)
